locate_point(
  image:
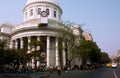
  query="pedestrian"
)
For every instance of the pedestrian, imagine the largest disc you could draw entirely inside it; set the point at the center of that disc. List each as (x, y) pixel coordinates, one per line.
(51, 69)
(59, 70)
(27, 73)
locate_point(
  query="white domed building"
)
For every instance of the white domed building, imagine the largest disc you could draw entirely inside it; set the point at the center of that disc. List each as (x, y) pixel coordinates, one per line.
(42, 23)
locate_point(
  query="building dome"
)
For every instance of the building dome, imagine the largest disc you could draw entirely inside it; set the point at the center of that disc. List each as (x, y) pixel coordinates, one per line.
(34, 10)
(50, 1)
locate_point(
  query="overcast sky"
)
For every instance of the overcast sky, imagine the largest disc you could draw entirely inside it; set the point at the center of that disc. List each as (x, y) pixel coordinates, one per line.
(99, 17)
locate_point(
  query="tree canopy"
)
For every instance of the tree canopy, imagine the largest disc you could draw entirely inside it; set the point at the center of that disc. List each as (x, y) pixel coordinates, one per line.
(8, 56)
(89, 50)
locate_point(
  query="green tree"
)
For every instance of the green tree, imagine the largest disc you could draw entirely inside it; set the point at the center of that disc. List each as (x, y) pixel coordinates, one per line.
(70, 40)
(20, 55)
(105, 58)
(8, 56)
(3, 46)
(89, 50)
(34, 44)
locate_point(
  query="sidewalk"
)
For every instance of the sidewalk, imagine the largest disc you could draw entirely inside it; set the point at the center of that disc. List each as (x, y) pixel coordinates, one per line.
(63, 74)
(40, 75)
(23, 75)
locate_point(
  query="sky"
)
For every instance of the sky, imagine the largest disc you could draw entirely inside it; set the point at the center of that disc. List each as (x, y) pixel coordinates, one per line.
(99, 17)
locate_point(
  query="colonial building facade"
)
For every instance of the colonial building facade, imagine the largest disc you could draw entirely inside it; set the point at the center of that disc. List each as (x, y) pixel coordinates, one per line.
(42, 22)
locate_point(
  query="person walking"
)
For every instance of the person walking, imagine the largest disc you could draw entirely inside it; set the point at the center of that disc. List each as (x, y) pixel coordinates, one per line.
(59, 70)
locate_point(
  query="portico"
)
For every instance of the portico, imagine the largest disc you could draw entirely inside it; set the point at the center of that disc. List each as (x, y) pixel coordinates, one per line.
(54, 56)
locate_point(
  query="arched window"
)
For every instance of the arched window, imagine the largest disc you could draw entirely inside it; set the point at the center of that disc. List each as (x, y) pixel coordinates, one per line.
(39, 11)
(31, 12)
(47, 10)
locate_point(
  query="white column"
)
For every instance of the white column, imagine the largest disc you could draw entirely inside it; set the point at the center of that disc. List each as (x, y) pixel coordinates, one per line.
(38, 39)
(21, 43)
(48, 51)
(57, 54)
(64, 54)
(16, 44)
(33, 63)
(11, 44)
(29, 40)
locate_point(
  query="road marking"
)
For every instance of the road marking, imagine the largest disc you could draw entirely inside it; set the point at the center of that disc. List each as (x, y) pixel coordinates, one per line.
(115, 74)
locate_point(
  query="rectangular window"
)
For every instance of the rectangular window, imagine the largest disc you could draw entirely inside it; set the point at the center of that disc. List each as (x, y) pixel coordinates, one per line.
(54, 13)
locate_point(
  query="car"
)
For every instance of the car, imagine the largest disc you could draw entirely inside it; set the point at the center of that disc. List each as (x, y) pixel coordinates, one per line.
(108, 65)
(114, 65)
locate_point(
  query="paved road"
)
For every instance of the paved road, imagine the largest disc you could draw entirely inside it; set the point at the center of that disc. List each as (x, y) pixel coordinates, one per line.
(100, 73)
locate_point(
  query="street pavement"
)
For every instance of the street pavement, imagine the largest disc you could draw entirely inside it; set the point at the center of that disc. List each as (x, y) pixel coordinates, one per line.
(102, 72)
(99, 73)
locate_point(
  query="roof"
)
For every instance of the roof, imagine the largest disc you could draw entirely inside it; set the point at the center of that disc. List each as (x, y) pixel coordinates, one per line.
(50, 1)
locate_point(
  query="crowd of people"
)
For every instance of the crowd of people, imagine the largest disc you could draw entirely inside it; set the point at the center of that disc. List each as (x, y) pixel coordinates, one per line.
(23, 69)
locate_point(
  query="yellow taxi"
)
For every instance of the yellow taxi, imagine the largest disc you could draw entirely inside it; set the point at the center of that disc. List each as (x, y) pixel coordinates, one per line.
(108, 64)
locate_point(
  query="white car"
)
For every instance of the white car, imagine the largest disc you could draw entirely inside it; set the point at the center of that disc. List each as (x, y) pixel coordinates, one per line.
(114, 65)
